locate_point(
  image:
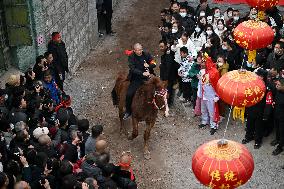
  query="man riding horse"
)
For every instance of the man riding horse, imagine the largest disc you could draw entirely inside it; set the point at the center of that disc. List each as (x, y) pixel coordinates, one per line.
(141, 65)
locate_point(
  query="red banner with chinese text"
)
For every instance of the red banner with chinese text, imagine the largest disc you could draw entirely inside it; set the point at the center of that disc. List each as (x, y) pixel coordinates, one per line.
(281, 2)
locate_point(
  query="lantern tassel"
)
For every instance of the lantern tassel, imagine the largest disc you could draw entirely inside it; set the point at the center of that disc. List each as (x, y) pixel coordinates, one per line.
(261, 15)
(252, 56)
(239, 113)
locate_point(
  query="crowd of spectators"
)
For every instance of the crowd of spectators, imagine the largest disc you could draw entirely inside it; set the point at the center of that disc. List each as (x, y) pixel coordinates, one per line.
(43, 144)
(188, 34)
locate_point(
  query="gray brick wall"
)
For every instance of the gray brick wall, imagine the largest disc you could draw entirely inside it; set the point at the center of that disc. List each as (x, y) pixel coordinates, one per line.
(67, 17)
(76, 20)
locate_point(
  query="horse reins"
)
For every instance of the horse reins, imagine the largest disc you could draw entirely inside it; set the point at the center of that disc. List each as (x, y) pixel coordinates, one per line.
(162, 93)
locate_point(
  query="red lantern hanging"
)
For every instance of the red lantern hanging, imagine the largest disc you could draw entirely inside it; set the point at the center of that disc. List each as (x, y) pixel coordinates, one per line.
(262, 4)
(222, 164)
(240, 88)
(253, 34)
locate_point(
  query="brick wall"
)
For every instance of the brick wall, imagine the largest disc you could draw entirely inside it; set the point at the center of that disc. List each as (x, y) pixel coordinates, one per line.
(73, 18)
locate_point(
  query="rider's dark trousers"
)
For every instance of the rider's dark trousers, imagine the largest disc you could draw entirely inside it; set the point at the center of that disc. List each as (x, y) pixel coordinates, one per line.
(133, 86)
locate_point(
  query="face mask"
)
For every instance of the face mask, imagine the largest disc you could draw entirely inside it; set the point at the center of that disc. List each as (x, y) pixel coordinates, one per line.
(217, 14)
(224, 47)
(197, 30)
(209, 32)
(189, 15)
(174, 30)
(253, 16)
(207, 45)
(230, 14)
(249, 65)
(202, 14)
(276, 51)
(182, 14)
(236, 18)
(220, 26)
(220, 64)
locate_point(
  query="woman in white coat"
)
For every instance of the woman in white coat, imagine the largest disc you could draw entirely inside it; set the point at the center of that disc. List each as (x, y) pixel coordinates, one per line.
(198, 38)
(184, 41)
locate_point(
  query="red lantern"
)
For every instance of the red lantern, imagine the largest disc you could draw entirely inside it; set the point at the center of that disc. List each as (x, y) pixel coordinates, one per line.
(262, 4)
(253, 34)
(222, 164)
(240, 88)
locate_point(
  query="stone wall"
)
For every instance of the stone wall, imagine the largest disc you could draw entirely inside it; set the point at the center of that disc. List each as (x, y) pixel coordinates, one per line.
(72, 19)
(76, 20)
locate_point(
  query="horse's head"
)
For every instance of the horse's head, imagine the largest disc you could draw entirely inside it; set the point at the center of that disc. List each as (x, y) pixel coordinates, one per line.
(159, 100)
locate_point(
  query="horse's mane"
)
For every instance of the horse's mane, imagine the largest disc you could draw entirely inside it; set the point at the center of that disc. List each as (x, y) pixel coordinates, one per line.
(155, 81)
(149, 87)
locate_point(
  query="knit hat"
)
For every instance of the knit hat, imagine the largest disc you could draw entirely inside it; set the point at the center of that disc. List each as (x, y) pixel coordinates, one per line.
(40, 131)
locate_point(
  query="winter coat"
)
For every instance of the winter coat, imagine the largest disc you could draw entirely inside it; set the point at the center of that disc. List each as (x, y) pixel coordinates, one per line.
(198, 40)
(71, 153)
(167, 66)
(136, 66)
(185, 66)
(54, 90)
(16, 115)
(188, 24)
(92, 171)
(272, 62)
(192, 73)
(60, 57)
(189, 45)
(90, 145)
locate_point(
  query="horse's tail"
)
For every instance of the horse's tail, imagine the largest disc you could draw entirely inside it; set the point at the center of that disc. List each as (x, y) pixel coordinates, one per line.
(114, 97)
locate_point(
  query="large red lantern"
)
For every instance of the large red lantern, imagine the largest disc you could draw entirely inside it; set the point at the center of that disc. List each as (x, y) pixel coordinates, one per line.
(240, 88)
(253, 34)
(222, 164)
(262, 4)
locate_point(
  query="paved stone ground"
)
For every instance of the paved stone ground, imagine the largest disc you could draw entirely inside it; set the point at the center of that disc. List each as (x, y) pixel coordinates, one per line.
(173, 140)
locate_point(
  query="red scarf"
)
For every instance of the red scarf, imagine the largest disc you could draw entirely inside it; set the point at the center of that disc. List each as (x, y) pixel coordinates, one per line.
(127, 166)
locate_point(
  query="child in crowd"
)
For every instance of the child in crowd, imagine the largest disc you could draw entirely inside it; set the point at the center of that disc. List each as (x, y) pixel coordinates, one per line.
(185, 66)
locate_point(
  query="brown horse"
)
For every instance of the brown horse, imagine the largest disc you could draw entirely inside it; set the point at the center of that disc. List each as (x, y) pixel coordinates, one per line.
(148, 99)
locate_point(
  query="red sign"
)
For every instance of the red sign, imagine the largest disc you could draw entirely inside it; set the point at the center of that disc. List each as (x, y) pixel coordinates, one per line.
(281, 2)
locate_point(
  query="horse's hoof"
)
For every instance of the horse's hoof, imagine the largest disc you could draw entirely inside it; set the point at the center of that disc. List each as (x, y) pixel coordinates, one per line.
(147, 155)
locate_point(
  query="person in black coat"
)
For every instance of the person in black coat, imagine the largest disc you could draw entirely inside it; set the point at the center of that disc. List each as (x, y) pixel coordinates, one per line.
(255, 124)
(60, 58)
(232, 54)
(279, 117)
(168, 69)
(203, 5)
(107, 5)
(276, 58)
(141, 65)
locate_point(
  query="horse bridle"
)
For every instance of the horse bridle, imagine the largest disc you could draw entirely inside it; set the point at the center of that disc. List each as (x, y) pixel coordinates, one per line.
(163, 93)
